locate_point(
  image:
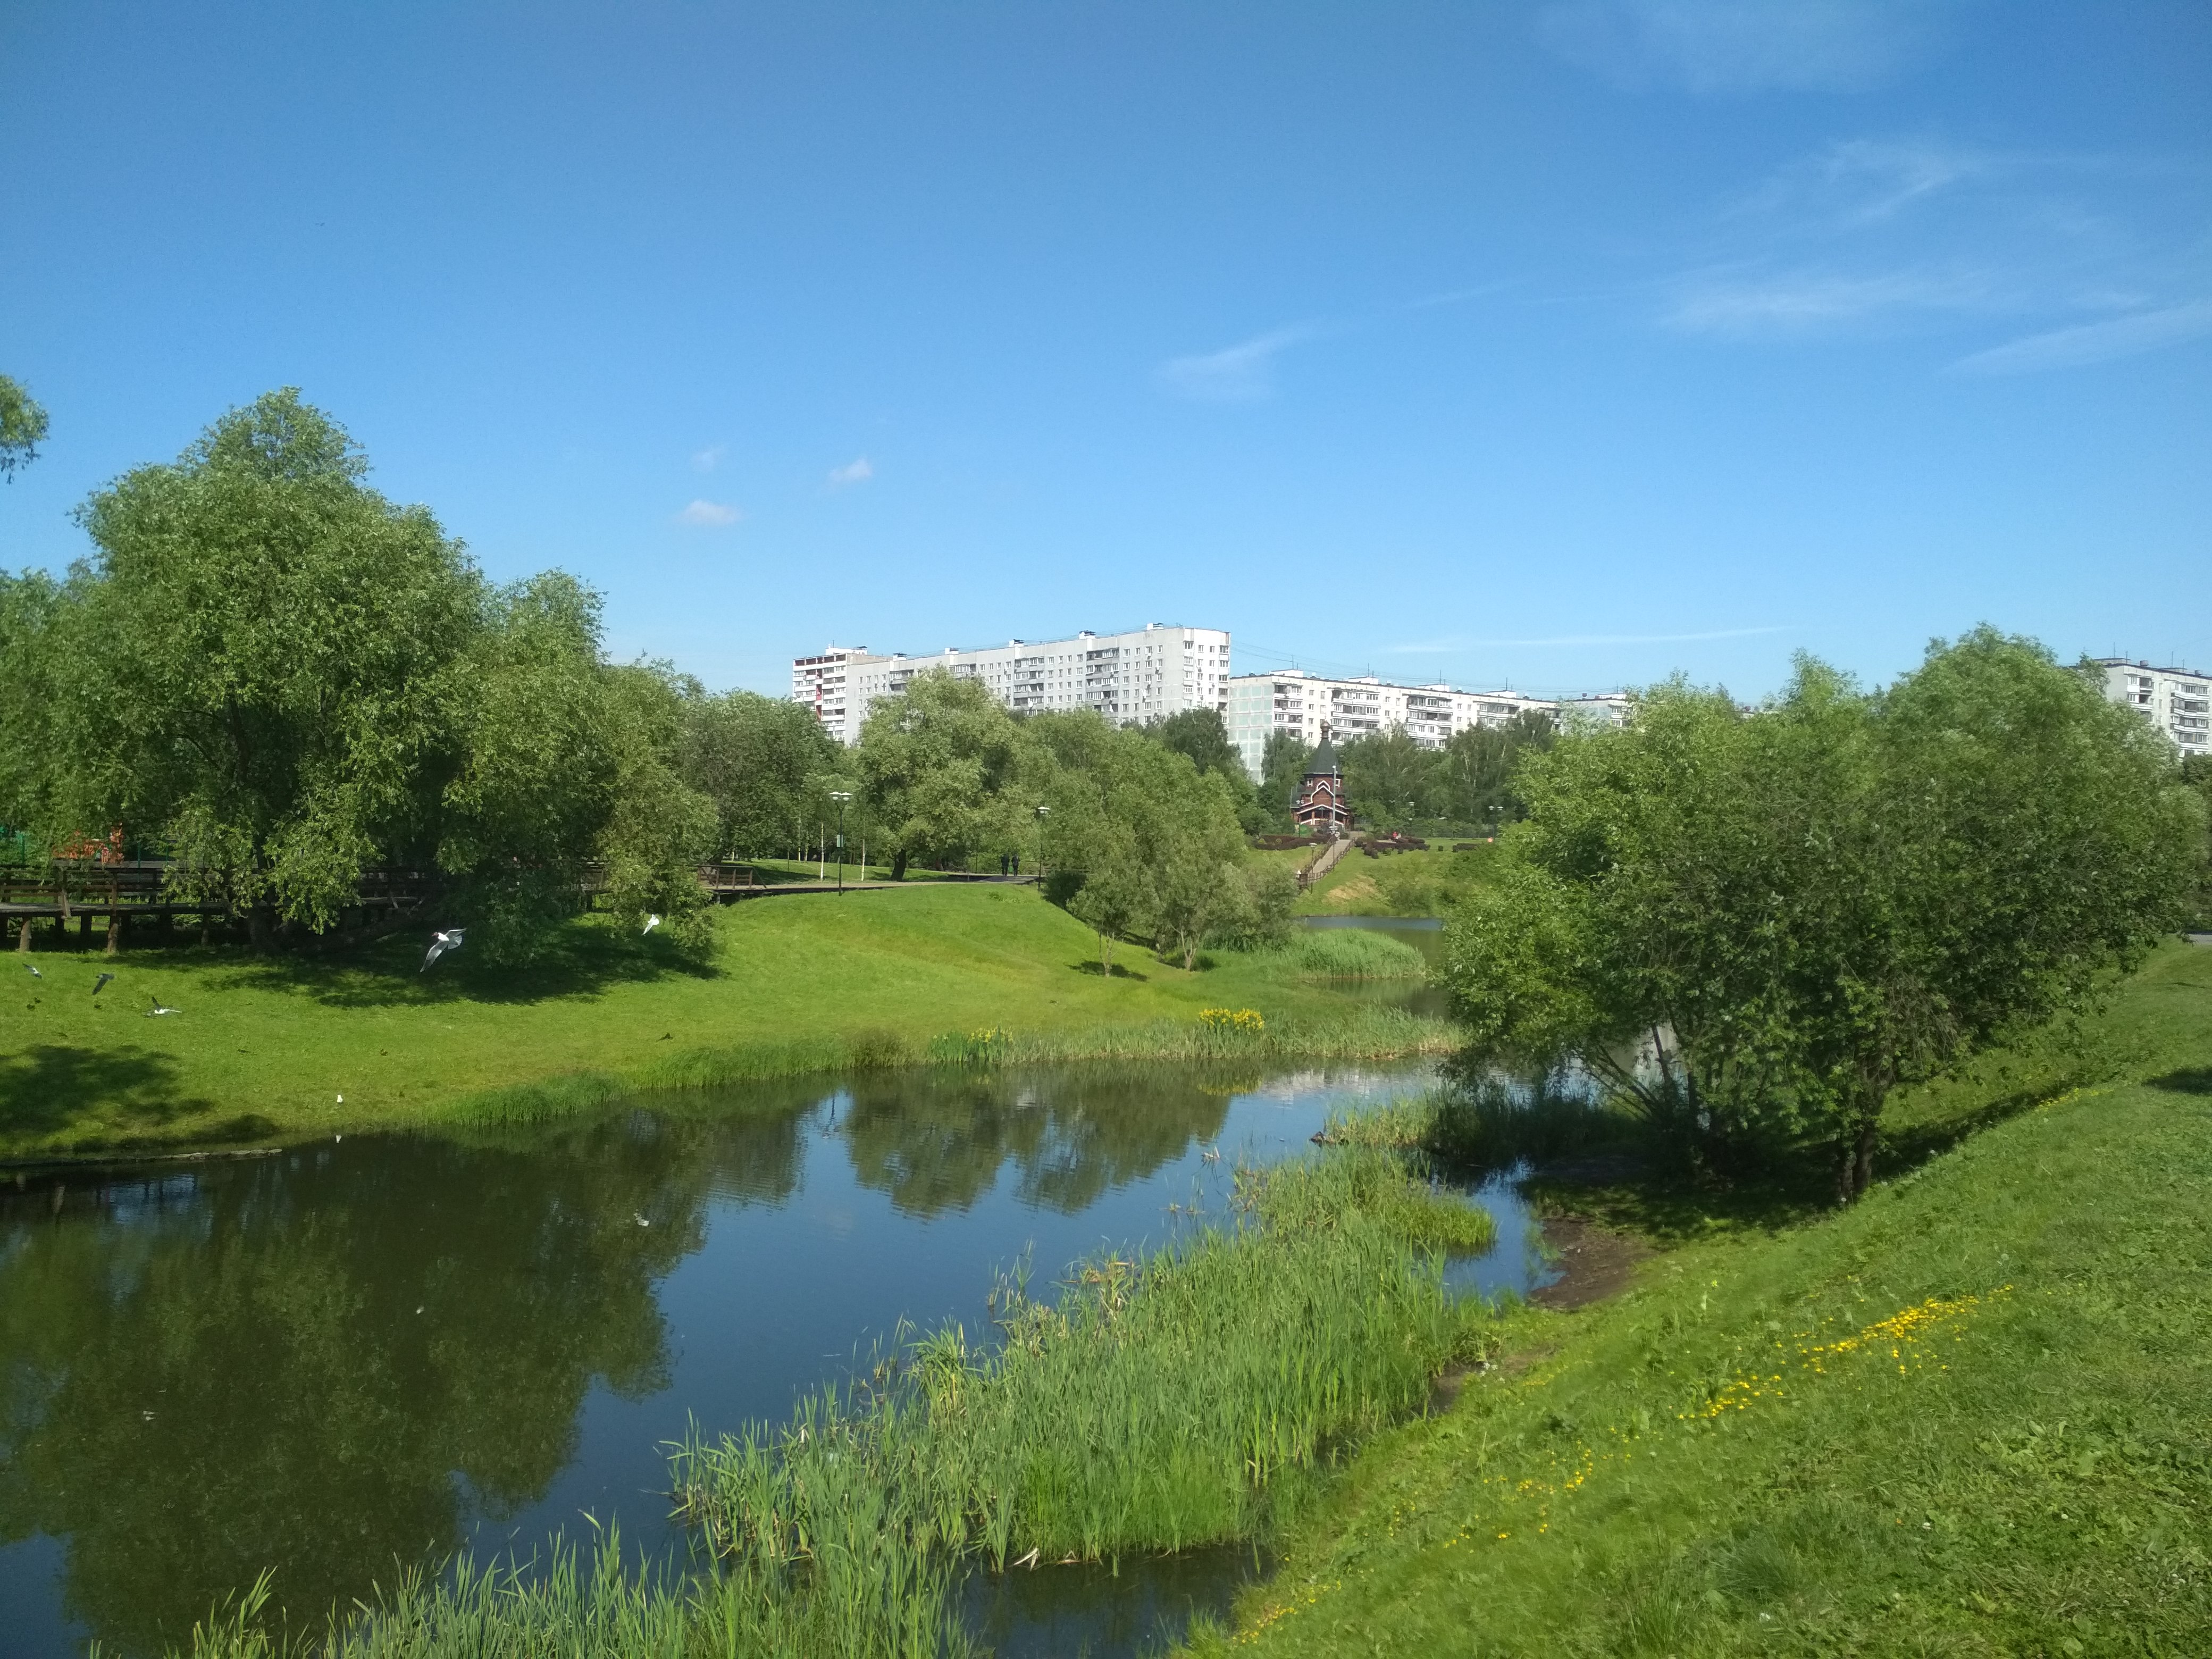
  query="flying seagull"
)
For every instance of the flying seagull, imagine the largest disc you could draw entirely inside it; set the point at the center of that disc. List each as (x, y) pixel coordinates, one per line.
(651, 922)
(439, 943)
(157, 1008)
(33, 967)
(100, 984)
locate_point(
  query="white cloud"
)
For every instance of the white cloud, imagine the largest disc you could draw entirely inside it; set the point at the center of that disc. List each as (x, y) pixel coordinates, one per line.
(1740, 45)
(1239, 373)
(852, 472)
(707, 460)
(2094, 342)
(1801, 301)
(709, 514)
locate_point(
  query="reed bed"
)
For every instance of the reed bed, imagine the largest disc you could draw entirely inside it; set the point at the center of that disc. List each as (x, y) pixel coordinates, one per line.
(1156, 1403)
(1355, 953)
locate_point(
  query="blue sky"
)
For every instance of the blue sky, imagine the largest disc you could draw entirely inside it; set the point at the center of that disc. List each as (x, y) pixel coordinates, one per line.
(1556, 345)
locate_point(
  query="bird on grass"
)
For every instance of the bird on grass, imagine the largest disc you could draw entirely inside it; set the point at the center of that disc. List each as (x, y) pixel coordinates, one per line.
(157, 1008)
(651, 922)
(450, 939)
(100, 984)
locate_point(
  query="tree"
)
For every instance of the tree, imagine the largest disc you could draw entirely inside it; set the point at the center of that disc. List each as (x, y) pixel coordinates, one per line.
(1764, 924)
(1282, 769)
(659, 828)
(1202, 736)
(23, 428)
(277, 654)
(1386, 778)
(937, 762)
(1474, 779)
(536, 777)
(751, 755)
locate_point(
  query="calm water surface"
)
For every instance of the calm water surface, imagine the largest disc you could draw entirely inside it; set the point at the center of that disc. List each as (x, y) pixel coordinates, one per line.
(342, 1357)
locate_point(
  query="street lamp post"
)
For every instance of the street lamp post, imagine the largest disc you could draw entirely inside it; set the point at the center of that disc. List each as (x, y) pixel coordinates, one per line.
(1043, 812)
(840, 796)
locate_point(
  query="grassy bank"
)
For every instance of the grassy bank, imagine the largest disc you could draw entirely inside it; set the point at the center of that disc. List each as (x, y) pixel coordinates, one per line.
(262, 1049)
(1424, 883)
(1968, 1416)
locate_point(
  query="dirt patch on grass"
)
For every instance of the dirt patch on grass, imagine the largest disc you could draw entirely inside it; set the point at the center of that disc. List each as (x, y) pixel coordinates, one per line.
(1594, 1262)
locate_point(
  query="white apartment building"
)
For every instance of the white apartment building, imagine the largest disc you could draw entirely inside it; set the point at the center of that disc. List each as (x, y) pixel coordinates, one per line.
(1311, 707)
(1158, 670)
(2177, 701)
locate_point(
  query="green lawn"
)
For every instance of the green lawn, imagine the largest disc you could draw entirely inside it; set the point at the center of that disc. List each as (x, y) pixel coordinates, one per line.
(1395, 884)
(262, 1049)
(1971, 1415)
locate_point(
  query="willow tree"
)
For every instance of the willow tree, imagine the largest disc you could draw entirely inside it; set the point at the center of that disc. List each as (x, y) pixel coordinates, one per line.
(1765, 923)
(270, 652)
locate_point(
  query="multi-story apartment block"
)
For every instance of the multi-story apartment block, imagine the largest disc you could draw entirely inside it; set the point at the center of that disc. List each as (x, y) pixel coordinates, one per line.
(1313, 708)
(2177, 701)
(1148, 673)
(820, 682)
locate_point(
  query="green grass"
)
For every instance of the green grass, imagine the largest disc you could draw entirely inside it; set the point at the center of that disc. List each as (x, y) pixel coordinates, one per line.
(1396, 884)
(1969, 1415)
(262, 1049)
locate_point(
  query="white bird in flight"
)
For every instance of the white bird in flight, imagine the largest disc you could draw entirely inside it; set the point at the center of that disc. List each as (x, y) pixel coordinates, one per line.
(33, 967)
(157, 1008)
(651, 922)
(450, 939)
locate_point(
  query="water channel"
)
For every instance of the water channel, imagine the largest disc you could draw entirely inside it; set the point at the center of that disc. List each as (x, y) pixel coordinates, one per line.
(341, 1358)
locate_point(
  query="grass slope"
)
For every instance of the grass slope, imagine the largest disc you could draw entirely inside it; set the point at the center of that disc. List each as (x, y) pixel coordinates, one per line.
(264, 1049)
(1971, 1415)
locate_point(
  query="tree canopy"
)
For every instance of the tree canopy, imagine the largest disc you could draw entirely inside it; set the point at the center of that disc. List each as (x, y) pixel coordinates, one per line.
(1763, 924)
(23, 428)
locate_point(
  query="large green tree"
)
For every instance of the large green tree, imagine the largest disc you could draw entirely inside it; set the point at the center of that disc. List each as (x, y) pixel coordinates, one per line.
(751, 756)
(272, 653)
(1762, 925)
(941, 766)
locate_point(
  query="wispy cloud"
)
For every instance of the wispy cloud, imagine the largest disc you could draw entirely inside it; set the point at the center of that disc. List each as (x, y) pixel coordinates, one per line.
(2094, 342)
(707, 460)
(1443, 648)
(856, 472)
(709, 515)
(1238, 373)
(1799, 300)
(1744, 45)
(1861, 182)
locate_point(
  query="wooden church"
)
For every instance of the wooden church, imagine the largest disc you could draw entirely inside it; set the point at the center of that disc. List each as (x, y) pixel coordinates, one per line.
(1320, 810)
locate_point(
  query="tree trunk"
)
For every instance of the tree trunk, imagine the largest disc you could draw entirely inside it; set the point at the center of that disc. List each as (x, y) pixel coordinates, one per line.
(258, 931)
(23, 937)
(115, 932)
(898, 865)
(1855, 1159)
(1105, 954)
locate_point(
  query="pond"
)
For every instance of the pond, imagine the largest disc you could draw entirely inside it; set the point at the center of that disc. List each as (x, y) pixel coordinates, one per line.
(339, 1359)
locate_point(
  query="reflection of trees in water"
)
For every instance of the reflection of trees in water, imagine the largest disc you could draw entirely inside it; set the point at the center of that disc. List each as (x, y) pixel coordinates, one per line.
(935, 1140)
(304, 1361)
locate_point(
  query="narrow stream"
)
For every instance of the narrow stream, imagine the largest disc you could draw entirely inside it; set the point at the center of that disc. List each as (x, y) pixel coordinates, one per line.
(342, 1359)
